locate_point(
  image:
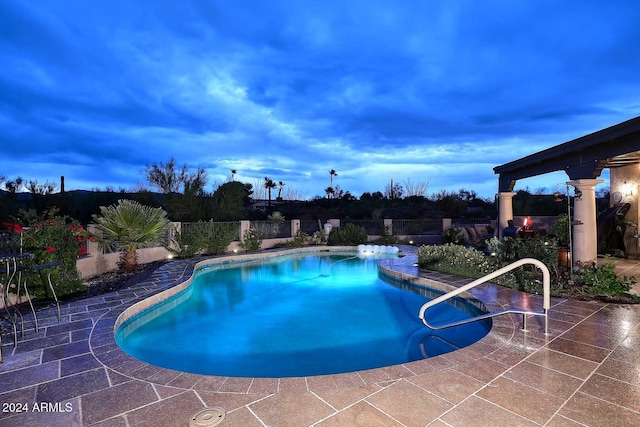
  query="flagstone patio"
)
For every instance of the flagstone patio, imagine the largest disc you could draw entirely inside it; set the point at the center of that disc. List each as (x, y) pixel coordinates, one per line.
(585, 372)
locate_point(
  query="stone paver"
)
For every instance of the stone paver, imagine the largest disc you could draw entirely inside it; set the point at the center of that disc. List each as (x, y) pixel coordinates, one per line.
(72, 373)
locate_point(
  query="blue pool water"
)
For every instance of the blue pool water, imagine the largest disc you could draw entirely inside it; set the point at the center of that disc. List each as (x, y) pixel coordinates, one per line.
(294, 315)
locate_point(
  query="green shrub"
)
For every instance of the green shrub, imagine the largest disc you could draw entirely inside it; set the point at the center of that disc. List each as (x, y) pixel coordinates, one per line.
(596, 281)
(299, 239)
(218, 236)
(129, 226)
(454, 259)
(187, 242)
(250, 240)
(348, 235)
(318, 238)
(385, 237)
(203, 238)
(453, 235)
(561, 229)
(54, 238)
(470, 262)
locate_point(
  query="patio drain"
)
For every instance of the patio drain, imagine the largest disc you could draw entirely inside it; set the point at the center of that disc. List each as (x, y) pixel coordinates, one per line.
(207, 417)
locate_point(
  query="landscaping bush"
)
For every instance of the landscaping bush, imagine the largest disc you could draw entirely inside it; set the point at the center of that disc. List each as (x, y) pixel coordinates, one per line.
(453, 235)
(218, 237)
(187, 242)
(592, 281)
(129, 226)
(51, 237)
(347, 235)
(597, 281)
(385, 237)
(203, 238)
(299, 239)
(455, 259)
(250, 240)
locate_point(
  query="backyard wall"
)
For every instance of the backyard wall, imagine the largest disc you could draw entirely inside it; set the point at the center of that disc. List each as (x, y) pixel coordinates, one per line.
(97, 262)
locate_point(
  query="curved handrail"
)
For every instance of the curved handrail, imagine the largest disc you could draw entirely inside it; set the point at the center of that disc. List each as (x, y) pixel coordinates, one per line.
(546, 288)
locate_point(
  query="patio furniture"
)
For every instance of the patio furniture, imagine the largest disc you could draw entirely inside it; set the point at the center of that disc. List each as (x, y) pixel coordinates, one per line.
(611, 230)
(10, 269)
(17, 270)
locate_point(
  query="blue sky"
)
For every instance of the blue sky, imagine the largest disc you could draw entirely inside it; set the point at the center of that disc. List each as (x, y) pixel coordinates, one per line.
(433, 92)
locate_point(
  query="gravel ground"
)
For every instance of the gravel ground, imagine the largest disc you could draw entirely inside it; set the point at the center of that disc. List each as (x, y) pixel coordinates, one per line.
(112, 281)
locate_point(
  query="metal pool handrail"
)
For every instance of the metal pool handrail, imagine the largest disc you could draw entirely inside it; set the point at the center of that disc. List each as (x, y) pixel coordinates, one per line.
(546, 286)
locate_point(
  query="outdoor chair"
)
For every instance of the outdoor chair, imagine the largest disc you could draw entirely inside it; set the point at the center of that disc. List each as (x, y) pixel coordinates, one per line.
(17, 270)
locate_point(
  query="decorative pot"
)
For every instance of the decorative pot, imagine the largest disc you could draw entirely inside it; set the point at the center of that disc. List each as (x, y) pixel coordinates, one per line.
(564, 257)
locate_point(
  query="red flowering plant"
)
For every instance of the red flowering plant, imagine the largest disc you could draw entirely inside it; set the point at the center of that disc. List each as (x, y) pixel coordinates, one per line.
(53, 238)
(10, 238)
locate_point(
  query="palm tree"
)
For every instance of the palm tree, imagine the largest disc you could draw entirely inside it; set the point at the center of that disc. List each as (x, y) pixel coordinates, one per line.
(129, 226)
(330, 192)
(269, 184)
(233, 174)
(332, 173)
(280, 185)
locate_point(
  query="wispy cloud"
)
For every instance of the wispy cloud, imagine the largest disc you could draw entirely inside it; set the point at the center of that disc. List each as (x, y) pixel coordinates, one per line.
(427, 91)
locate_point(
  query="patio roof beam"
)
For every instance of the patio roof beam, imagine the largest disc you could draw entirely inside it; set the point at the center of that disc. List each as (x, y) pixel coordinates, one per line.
(581, 158)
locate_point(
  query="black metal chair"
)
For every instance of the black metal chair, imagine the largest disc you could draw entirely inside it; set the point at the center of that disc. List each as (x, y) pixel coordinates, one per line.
(17, 269)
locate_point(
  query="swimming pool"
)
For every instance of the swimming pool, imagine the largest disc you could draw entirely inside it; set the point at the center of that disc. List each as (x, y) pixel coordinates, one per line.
(293, 315)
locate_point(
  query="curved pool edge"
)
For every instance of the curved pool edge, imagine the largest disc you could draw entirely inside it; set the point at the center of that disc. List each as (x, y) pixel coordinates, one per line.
(490, 350)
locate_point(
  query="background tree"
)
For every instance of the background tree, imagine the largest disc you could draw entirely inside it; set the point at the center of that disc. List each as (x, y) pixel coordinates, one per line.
(418, 189)
(269, 184)
(332, 173)
(329, 191)
(191, 205)
(184, 191)
(13, 186)
(393, 191)
(259, 191)
(165, 177)
(331, 194)
(230, 201)
(280, 187)
(34, 187)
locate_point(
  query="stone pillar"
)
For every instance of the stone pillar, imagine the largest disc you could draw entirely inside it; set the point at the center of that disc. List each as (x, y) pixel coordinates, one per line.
(244, 227)
(505, 210)
(584, 238)
(295, 226)
(175, 229)
(388, 224)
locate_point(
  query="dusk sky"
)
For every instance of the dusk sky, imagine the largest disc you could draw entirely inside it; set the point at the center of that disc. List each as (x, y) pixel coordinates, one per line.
(424, 91)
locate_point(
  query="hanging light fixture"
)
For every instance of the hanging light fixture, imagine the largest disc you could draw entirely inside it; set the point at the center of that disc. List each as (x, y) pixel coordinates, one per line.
(557, 197)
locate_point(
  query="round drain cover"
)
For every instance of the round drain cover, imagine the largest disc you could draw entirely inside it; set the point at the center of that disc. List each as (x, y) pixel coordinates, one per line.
(207, 417)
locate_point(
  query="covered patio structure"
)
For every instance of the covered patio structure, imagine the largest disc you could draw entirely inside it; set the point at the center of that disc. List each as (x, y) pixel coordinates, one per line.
(583, 159)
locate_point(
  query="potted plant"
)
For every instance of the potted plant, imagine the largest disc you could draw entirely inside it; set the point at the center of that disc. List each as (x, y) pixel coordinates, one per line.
(561, 228)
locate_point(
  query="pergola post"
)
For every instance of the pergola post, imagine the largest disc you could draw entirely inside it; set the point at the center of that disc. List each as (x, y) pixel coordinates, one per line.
(585, 230)
(505, 210)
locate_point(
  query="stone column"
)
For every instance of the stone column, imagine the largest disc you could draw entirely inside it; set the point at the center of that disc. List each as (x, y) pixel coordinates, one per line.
(244, 227)
(584, 238)
(505, 210)
(388, 224)
(295, 226)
